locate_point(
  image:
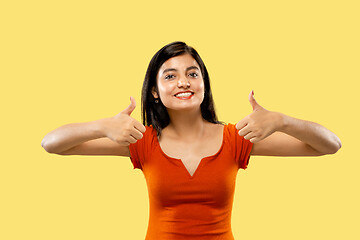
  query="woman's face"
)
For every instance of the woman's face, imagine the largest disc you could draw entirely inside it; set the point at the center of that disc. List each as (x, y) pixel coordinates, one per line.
(180, 74)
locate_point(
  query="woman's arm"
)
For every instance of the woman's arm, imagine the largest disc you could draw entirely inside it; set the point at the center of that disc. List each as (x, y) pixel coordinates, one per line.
(296, 137)
(121, 130)
(276, 134)
(317, 136)
(71, 135)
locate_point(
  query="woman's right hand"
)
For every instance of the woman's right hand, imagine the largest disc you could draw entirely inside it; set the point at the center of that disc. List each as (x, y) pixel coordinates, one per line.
(122, 128)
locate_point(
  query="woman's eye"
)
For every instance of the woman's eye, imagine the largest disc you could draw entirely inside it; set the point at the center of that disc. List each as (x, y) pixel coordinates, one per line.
(168, 76)
(193, 75)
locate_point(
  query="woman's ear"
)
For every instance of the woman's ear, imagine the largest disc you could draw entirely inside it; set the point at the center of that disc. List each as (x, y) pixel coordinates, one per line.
(154, 93)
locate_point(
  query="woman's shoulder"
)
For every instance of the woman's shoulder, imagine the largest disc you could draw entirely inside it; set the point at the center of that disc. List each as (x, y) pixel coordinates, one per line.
(150, 134)
(148, 138)
(222, 125)
(150, 130)
(230, 130)
(150, 127)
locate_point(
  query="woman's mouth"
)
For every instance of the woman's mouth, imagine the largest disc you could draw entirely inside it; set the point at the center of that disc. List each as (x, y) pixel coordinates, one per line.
(184, 96)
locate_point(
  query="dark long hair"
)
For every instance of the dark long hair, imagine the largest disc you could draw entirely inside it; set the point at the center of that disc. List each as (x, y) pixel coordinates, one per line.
(155, 114)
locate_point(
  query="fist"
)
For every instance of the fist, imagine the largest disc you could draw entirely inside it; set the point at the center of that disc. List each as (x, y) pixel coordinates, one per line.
(124, 129)
(259, 124)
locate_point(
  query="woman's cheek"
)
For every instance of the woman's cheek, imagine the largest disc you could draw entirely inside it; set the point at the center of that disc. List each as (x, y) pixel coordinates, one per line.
(166, 91)
(163, 89)
(201, 88)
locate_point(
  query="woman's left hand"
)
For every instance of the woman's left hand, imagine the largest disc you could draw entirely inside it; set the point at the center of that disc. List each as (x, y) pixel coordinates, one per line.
(260, 124)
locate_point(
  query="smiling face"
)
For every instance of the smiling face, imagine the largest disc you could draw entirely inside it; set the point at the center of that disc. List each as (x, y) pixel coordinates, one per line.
(180, 74)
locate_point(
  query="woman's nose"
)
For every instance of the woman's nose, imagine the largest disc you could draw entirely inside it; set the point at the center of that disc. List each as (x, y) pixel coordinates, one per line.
(183, 82)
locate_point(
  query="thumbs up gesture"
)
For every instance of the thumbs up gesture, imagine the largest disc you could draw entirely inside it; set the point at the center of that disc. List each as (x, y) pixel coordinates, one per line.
(124, 129)
(259, 124)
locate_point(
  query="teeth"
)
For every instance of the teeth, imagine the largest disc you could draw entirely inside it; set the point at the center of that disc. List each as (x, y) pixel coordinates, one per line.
(183, 94)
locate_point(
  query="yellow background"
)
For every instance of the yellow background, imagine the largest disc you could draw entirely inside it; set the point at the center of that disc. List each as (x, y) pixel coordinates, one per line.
(78, 61)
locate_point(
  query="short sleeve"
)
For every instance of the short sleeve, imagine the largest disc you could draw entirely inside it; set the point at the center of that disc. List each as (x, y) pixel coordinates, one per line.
(241, 147)
(141, 150)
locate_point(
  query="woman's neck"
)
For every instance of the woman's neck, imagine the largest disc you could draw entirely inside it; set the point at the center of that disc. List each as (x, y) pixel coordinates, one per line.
(186, 125)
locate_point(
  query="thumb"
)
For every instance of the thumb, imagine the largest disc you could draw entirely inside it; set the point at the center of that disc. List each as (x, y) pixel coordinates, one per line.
(253, 102)
(131, 107)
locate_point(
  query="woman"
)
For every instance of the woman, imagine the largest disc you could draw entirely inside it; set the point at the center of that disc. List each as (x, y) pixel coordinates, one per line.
(189, 158)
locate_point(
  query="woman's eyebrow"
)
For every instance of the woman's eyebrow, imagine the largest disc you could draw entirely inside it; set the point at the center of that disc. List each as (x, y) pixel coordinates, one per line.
(174, 69)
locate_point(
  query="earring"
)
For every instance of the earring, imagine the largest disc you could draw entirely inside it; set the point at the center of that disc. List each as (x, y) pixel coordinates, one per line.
(156, 100)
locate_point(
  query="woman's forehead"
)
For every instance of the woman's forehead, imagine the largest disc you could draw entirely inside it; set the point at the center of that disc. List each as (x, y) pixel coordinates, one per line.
(179, 62)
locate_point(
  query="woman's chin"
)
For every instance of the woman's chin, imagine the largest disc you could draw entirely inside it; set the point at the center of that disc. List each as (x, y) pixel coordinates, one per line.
(184, 108)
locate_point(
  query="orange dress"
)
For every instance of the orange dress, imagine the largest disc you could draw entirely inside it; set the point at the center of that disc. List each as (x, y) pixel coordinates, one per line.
(190, 207)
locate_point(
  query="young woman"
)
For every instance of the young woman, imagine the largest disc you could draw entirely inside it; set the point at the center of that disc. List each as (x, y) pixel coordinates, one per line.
(189, 159)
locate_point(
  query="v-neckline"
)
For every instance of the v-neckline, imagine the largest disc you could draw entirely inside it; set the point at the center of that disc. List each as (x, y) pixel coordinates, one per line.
(201, 161)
